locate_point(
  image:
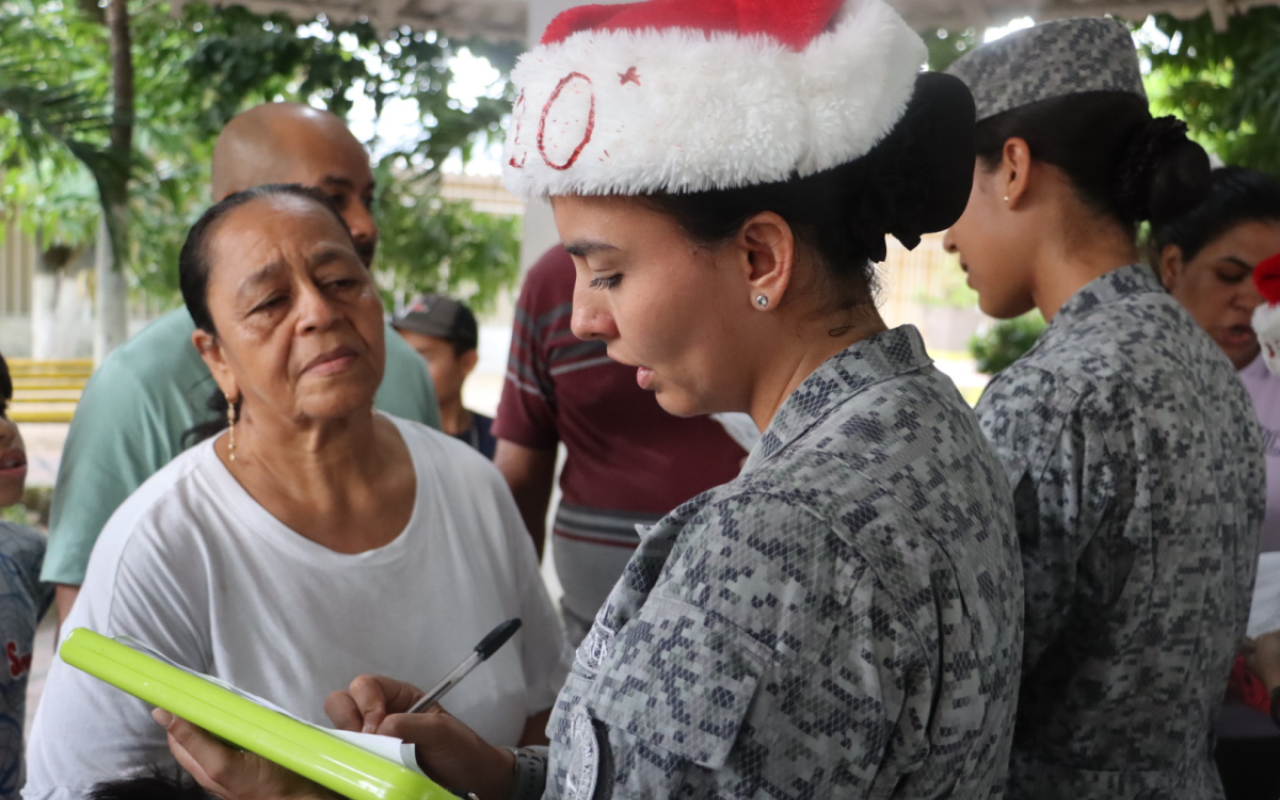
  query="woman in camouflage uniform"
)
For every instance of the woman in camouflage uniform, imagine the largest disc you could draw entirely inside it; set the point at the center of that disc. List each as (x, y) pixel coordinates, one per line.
(1131, 445)
(843, 619)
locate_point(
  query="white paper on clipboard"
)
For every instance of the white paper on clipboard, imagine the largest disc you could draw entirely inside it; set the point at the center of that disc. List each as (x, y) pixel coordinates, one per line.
(1264, 612)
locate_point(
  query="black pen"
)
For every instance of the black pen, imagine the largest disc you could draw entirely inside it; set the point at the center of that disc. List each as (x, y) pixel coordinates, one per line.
(487, 647)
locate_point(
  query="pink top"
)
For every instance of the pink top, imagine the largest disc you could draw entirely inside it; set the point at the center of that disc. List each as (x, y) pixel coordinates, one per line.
(1264, 388)
(1236, 721)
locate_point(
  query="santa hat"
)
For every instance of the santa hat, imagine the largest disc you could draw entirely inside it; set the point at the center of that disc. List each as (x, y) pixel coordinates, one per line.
(682, 96)
(1266, 317)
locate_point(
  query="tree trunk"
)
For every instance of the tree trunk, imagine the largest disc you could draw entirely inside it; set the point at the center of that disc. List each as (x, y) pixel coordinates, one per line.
(111, 320)
(45, 282)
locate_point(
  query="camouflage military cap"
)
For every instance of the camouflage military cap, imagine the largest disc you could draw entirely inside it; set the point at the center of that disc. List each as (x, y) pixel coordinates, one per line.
(1057, 58)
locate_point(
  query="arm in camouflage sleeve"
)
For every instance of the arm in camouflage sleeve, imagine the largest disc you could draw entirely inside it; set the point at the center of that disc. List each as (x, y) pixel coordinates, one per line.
(768, 658)
(1073, 493)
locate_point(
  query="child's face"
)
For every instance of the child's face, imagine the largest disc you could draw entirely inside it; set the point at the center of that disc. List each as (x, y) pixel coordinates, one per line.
(448, 369)
(13, 460)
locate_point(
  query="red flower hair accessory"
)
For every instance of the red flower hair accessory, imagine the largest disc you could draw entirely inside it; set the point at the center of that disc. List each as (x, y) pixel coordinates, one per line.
(1266, 276)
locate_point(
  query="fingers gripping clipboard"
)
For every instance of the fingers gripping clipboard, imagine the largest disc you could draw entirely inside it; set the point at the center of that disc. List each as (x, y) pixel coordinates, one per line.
(308, 750)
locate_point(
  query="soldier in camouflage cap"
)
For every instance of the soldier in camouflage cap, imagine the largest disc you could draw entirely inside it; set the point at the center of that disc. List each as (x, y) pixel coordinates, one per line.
(1051, 60)
(1131, 446)
(842, 620)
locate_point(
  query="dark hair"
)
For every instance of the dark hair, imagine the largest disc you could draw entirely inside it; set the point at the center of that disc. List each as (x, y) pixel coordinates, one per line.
(193, 277)
(915, 181)
(1236, 196)
(1123, 164)
(461, 347)
(6, 382)
(822, 211)
(158, 784)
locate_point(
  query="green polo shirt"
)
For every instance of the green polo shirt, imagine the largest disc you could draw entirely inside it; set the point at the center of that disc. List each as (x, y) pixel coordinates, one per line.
(131, 417)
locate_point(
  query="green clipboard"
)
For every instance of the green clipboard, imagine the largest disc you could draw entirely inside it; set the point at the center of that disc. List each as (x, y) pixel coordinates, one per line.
(337, 765)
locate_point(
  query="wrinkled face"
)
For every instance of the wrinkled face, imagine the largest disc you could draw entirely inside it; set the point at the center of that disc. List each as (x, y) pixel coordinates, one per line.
(659, 301)
(13, 459)
(299, 323)
(991, 250)
(448, 369)
(1217, 285)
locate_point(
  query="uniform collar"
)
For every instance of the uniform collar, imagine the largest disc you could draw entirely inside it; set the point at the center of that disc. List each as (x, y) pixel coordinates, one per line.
(862, 364)
(1112, 287)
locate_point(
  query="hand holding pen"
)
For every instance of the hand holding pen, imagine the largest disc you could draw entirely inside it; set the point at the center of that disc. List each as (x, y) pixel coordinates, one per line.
(371, 698)
(447, 749)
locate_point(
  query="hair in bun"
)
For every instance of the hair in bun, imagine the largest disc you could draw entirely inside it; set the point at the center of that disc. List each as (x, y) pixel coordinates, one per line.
(1122, 163)
(1236, 196)
(1163, 173)
(915, 181)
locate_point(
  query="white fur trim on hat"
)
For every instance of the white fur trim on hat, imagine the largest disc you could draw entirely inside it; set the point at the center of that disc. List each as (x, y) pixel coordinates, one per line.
(633, 112)
(1266, 324)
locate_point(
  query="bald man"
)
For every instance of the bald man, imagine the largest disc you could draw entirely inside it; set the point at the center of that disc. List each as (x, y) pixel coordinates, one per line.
(133, 414)
(294, 143)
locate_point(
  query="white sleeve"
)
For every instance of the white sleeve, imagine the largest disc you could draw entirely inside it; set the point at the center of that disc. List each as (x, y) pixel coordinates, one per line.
(85, 730)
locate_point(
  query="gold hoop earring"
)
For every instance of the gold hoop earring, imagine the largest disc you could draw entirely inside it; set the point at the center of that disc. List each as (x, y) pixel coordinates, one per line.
(231, 430)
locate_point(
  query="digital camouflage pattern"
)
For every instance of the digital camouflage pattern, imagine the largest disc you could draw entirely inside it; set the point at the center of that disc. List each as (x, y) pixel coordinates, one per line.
(841, 620)
(1139, 486)
(1053, 59)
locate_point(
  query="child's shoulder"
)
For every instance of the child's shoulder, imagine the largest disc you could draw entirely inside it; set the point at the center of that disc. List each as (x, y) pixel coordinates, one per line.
(21, 543)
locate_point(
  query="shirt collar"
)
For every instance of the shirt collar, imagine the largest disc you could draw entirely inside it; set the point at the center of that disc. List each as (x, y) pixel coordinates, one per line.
(862, 364)
(1112, 287)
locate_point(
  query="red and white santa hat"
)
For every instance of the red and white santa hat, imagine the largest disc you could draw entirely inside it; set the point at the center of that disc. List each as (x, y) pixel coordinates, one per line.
(1266, 317)
(684, 96)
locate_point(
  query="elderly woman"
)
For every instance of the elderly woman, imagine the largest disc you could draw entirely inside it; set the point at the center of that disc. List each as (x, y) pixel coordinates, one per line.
(1131, 447)
(842, 619)
(1206, 259)
(314, 539)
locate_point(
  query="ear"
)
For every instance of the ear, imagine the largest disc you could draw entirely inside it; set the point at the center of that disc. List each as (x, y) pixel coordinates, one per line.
(1170, 266)
(1016, 170)
(770, 249)
(467, 362)
(210, 349)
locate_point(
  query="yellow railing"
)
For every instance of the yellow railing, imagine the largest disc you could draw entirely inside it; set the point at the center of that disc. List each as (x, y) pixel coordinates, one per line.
(47, 391)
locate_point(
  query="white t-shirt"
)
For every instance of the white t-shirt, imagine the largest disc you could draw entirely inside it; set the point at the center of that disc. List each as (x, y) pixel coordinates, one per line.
(193, 566)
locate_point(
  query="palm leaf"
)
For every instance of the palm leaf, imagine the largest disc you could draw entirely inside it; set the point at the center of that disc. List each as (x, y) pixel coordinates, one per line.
(50, 117)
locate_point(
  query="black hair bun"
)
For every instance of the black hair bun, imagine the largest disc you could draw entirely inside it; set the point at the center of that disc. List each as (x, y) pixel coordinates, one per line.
(917, 179)
(1163, 174)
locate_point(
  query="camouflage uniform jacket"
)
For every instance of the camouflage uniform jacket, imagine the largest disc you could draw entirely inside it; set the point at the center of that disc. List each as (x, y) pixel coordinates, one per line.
(1138, 481)
(841, 620)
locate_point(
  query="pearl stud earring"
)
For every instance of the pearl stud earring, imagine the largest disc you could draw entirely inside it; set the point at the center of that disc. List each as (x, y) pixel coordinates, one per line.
(762, 301)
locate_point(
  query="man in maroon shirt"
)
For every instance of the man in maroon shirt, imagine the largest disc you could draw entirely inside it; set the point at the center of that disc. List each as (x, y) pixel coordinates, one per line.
(627, 461)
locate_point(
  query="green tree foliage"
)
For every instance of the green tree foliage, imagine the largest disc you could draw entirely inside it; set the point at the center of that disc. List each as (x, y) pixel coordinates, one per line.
(1223, 83)
(429, 244)
(1006, 342)
(946, 46)
(54, 135)
(193, 72)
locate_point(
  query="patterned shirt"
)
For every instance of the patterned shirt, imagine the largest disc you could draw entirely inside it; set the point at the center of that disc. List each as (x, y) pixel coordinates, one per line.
(23, 601)
(841, 620)
(1138, 483)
